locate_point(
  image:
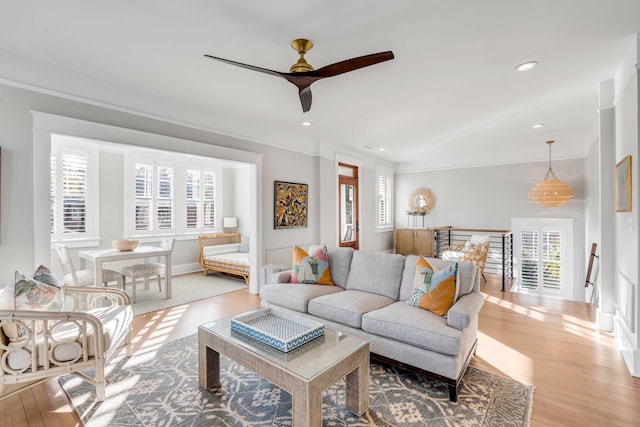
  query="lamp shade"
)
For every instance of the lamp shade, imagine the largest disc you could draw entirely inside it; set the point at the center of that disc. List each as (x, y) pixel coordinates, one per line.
(551, 192)
(230, 222)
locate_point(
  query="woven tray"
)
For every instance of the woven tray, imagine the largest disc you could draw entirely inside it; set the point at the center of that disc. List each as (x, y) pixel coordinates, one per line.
(279, 331)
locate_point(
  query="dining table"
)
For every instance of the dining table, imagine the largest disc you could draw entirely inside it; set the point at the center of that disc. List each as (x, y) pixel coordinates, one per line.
(99, 256)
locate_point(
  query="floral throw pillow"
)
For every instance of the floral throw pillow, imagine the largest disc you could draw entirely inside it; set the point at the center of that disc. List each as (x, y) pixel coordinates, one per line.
(32, 294)
(311, 268)
(434, 290)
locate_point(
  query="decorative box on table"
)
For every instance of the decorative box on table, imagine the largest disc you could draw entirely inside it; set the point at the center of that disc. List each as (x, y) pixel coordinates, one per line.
(278, 330)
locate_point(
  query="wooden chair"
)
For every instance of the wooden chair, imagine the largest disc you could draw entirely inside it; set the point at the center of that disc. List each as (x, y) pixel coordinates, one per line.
(146, 270)
(86, 277)
(66, 342)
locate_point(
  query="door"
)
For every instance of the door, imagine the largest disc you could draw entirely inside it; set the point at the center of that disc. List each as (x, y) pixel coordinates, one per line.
(543, 252)
(349, 225)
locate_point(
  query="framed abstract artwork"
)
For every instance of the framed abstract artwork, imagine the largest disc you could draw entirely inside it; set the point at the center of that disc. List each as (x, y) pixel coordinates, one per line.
(623, 185)
(290, 205)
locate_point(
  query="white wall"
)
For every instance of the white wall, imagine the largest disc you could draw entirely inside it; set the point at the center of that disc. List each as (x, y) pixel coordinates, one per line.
(627, 298)
(489, 197)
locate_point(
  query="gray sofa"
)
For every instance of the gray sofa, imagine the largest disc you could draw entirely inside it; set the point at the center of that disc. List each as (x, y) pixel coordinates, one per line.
(368, 301)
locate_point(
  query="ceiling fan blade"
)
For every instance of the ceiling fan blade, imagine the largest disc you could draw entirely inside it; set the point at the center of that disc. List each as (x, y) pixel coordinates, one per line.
(305, 98)
(248, 67)
(351, 64)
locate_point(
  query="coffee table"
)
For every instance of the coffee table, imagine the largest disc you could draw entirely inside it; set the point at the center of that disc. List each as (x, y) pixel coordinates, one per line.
(304, 372)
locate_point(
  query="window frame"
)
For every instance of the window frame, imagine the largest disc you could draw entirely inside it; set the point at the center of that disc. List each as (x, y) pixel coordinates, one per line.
(180, 163)
(62, 145)
(385, 172)
(540, 226)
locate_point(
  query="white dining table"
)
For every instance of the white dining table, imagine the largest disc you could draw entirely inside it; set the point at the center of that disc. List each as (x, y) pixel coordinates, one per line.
(99, 256)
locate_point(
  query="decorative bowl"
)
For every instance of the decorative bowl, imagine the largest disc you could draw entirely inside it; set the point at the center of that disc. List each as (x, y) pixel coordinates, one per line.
(125, 245)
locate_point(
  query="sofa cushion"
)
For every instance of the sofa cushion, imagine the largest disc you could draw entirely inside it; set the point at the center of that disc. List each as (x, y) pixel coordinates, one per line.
(434, 290)
(340, 261)
(414, 326)
(347, 307)
(294, 296)
(376, 273)
(311, 267)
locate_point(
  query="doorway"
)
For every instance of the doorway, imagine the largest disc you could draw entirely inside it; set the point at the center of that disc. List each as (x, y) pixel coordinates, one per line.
(349, 225)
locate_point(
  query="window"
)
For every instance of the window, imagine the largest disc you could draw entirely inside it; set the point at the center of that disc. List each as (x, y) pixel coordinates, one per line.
(544, 248)
(73, 210)
(201, 199)
(384, 197)
(170, 194)
(154, 209)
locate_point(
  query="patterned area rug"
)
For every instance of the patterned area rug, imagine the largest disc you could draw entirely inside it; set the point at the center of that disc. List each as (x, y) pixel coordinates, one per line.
(160, 388)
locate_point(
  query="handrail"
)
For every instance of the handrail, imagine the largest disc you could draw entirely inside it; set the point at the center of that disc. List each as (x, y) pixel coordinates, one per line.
(479, 230)
(500, 259)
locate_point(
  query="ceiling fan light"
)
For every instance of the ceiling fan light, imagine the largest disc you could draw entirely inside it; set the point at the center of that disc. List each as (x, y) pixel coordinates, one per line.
(306, 123)
(526, 66)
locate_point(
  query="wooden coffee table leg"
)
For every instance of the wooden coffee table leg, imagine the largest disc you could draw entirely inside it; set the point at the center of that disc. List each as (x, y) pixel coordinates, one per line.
(357, 382)
(307, 407)
(208, 364)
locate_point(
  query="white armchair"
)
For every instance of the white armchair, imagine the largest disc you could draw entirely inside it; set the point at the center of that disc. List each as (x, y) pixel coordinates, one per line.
(51, 343)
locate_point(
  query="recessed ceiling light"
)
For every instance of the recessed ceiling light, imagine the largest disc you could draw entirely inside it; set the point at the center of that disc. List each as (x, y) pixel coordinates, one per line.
(306, 123)
(525, 66)
(537, 125)
(381, 149)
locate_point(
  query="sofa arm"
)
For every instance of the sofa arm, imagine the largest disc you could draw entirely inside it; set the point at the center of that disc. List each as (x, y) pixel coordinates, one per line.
(282, 277)
(463, 311)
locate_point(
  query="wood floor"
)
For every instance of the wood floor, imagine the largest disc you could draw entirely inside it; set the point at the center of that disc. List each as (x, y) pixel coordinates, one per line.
(580, 378)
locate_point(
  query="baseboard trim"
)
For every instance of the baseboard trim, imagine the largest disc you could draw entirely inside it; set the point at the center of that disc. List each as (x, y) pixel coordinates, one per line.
(604, 321)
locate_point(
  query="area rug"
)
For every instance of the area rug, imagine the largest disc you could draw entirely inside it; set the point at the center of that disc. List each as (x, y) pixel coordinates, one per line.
(184, 289)
(160, 388)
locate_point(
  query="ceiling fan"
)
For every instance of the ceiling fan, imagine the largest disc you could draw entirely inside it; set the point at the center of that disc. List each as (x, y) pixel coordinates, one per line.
(302, 74)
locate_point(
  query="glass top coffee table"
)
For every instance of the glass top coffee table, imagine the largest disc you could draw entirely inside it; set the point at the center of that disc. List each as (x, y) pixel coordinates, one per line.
(303, 372)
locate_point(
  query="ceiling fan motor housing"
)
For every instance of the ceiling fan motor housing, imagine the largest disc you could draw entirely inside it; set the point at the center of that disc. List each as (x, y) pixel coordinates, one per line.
(301, 46)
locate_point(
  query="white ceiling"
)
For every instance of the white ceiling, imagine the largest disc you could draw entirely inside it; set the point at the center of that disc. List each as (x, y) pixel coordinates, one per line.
(450, 98)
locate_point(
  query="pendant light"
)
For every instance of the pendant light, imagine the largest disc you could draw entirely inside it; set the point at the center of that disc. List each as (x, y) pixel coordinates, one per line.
(551, 192)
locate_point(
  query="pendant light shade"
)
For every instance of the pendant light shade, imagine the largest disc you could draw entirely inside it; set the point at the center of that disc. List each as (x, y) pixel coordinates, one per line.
(551, 192)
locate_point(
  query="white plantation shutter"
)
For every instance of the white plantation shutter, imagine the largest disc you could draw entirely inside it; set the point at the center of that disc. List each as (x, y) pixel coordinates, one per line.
(543, 252)
(71, 205)
(529, 255)
(52, 198)
(164, 213)
(170, 194)
(144, 196)
(209, 200)
(552, 260)
(201, 199)
(384, 197)
(193, 198)
(74, 193)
